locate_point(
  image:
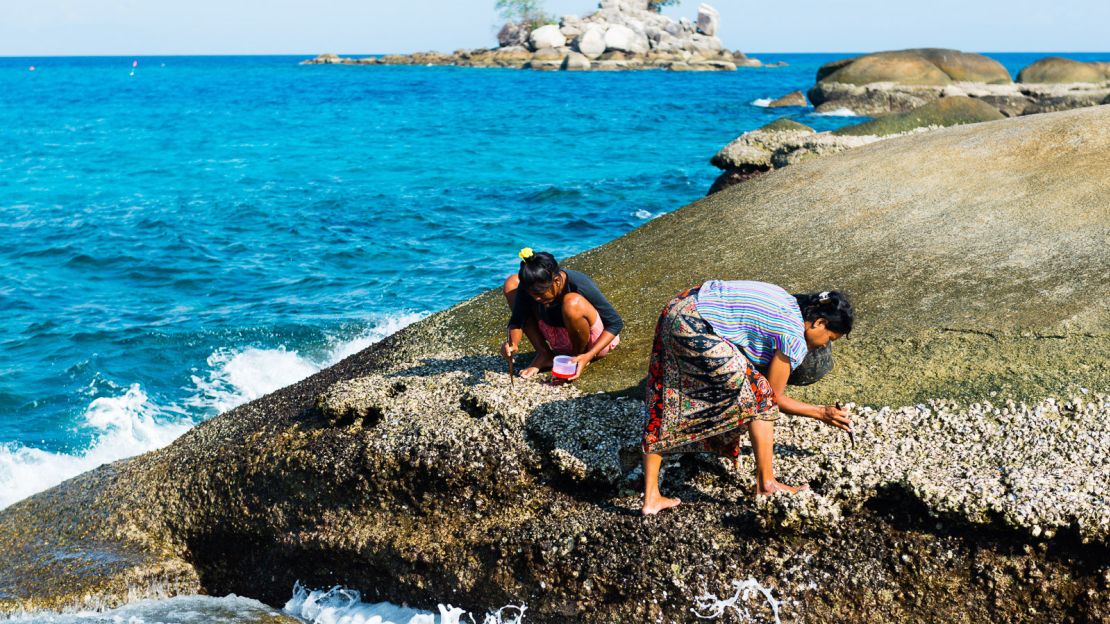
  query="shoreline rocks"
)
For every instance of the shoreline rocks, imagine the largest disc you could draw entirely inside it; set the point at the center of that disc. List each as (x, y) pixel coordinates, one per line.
(645, 38)
(413, 471)
(900, 81)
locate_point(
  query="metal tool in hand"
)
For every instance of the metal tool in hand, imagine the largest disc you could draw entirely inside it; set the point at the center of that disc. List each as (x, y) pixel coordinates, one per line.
(851, 432)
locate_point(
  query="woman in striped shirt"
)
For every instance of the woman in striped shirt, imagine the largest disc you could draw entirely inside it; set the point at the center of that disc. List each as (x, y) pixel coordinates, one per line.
(722, 355)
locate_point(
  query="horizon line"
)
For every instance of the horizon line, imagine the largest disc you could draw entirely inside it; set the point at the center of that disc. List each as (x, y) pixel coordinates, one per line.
(315, 54)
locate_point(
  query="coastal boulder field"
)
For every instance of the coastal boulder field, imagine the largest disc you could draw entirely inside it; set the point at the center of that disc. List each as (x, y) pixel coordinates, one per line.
(620, 35)
(902, 80)
(413, 471)
(908, 91)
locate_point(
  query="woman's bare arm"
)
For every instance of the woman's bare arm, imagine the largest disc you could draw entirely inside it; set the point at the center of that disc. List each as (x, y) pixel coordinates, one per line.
(777, 374)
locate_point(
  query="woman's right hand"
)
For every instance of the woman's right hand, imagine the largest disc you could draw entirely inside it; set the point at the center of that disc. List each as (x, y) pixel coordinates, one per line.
(508, 350)
(835, 416)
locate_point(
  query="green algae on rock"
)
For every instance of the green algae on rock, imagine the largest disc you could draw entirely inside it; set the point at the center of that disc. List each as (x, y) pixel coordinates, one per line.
(947, 111)
(413, 471)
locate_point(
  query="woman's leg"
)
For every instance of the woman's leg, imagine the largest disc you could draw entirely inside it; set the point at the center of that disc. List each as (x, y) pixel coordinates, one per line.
(544, 356)
(579, 316)
(654, 502)
(762, 433)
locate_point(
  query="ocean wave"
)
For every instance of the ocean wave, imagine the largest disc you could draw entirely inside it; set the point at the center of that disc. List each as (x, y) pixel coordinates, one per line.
(762, 102)
(340, 605)
(131, 423)
(125, 425)
(839, 112)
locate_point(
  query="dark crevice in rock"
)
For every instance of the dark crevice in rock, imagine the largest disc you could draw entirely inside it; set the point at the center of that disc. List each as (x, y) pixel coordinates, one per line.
(732, 177)
(474, 406)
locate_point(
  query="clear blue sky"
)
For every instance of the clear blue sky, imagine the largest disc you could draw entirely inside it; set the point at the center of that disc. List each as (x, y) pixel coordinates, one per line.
(151, 27)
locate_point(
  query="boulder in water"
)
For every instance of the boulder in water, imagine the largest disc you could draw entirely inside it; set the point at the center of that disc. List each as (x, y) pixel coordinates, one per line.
(1055, 69)
(794, 98)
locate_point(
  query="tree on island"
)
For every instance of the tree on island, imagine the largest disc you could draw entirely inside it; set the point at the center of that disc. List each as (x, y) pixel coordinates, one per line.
(527, 13)
(657, 5)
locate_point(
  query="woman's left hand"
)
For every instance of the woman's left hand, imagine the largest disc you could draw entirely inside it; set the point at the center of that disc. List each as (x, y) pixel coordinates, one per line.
(581, 362)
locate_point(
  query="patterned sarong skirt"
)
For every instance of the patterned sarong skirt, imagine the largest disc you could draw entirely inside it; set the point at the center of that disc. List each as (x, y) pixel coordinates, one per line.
(701, 390)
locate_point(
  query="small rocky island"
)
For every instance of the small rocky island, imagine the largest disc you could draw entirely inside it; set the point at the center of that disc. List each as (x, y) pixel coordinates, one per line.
(620, 35)
(909, 91)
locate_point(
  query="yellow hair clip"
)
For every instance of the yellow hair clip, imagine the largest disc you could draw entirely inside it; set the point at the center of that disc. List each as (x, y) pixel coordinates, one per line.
(526, 253)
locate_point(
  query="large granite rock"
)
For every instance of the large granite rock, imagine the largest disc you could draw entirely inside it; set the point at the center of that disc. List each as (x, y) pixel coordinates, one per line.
(548, 36)
(794, 98)
(592, 42)
(623, 39)
(414, 472)
(1011, 100)
(1057, 70)
(901, 81)
(512, 34)
(925, 66)
(709, 20)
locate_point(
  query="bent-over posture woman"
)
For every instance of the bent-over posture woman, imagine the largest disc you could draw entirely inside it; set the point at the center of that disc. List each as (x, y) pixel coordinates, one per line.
(719, 364)
(561, 311)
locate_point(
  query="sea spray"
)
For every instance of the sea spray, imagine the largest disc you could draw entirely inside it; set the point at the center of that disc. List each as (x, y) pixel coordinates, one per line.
(122, 426)
(132, 423)
(709, 607)
(839, 112)
(340, 605)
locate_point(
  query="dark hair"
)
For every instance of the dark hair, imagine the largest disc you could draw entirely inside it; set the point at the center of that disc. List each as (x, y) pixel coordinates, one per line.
(831, 305)
(538, 271)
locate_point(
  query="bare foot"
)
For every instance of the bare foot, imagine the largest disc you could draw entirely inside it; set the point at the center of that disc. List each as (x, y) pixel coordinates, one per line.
(542, 362)
(774, 486)
(654, 505)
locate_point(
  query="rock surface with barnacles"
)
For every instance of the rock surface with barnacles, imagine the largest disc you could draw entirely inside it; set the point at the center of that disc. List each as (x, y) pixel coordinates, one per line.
(620, 35)
(416, 471)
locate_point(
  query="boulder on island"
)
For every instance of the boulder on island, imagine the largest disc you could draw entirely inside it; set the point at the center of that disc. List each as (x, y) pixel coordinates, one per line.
(576, 61)
(512, 34)
(592, 42)
(1055, 69)
(709, 20)
(548, 36)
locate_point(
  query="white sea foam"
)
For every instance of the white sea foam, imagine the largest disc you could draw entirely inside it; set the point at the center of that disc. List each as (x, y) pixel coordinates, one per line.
(839, 112)
(344, 606)
(131, 424)
(762, 102)
(176, 610)
(710, 607)
(123, 426)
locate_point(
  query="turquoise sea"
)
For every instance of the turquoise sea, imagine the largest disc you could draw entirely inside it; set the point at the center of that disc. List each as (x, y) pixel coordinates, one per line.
(179, 235)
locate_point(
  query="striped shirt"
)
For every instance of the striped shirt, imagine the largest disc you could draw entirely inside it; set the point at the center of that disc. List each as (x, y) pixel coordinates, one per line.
(758, 318)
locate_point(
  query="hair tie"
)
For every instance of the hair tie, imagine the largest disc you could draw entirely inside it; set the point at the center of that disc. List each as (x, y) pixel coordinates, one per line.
(526, 253)
(824, 297)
